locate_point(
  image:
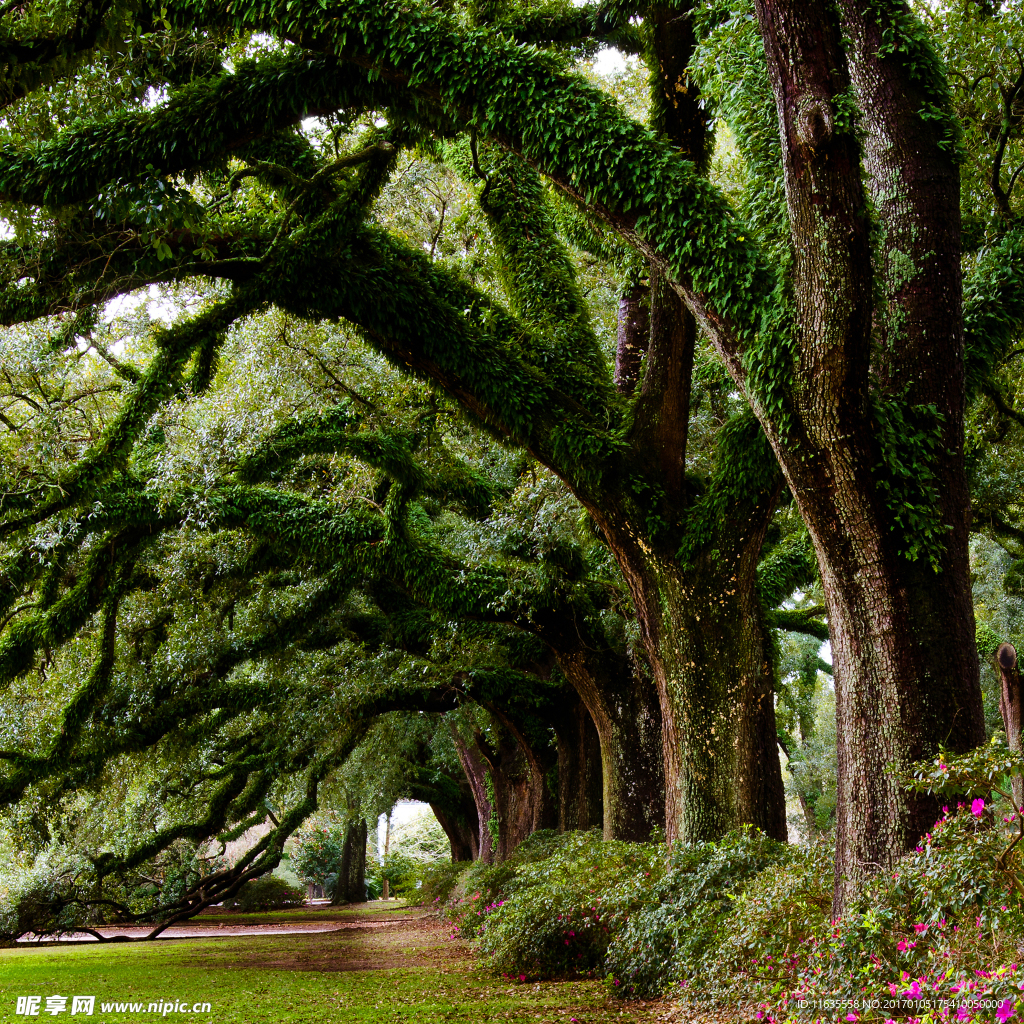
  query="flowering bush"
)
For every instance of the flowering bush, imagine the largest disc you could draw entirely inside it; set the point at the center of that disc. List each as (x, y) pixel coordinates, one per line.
(317, 851)
(938, 938)
(477, 890)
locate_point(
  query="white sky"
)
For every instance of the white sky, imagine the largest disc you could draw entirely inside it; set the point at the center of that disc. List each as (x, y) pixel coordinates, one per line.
(403, 811)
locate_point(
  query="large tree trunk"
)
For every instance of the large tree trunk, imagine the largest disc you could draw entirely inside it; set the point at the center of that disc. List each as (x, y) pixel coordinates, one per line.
(625, 711)
(462, 830)
(580, 776)
(522, 800)
(476, 768)
(351, 885)
(711, 657)
(904, 657)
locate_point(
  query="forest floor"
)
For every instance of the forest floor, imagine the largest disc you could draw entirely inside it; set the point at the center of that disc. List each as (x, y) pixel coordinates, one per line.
(385, 963)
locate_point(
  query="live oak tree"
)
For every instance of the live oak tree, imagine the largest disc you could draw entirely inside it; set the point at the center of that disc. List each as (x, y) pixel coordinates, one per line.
(714, 804)
(831, 289)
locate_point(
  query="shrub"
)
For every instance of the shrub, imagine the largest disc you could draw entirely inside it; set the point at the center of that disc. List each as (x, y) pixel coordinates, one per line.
(439, 880)
(268, 892)
(556, 915)
(477, 889)
(686, 914)
(774, 914)
(317, 851)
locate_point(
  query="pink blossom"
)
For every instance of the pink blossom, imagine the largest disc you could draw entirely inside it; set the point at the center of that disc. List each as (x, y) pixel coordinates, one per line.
(977, 806)
(914, 992)
(1005, 1011)
(919, 928)
(963, 1013)
(853, 1017)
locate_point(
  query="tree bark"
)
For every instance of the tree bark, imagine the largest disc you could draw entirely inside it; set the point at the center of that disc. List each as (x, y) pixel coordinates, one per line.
(463, 832)
(1010, 709)
(476, 767)
(624, 708)
(631, 344)
(351, 884)
(580, 776)
(709, 650)
(904, 657)
(522, 801)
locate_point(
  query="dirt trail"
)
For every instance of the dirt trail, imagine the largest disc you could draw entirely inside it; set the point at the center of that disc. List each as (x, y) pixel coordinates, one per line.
(360, 942)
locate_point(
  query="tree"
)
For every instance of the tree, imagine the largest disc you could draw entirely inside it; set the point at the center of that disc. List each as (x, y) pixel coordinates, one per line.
(831, 293)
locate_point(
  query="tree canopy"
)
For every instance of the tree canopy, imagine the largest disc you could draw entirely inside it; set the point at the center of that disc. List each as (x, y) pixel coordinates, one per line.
(369, 359)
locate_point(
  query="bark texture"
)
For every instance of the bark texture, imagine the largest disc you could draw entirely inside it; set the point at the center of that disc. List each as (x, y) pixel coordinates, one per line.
(1010, 708)
(475, 767)
(580, 777)
(351, 884)
(623, 706)
(902, 633)
(631, 343)
(463, 832)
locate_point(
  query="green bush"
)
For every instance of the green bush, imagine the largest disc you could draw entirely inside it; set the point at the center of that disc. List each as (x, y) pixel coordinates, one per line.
(439, 880)
(685, 915)
(268, 892)
(556, 915)
(772, 917)
(476, 889)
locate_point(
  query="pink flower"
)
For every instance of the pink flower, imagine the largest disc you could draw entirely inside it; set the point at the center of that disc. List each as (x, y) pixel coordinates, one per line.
(963, 1013)
(853, 1017)
(914, 992)
(919, 928)
(977, 806)
(1005, 1011)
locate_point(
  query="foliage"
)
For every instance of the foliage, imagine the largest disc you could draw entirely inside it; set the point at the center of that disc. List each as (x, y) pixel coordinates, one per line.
(317, 851)
(439, 880)
(478, 888)
(43, 899)
(268, 892)
(557, 914)
(673, 935)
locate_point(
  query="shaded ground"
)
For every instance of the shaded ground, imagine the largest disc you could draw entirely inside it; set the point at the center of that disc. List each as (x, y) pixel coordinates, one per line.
(383, 940)
(385, 965)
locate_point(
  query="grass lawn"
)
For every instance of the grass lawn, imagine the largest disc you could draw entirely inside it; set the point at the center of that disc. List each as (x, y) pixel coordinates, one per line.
(384, 966)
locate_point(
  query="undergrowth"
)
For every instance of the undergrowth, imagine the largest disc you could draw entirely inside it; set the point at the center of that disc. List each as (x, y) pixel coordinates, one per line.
(749, 920)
